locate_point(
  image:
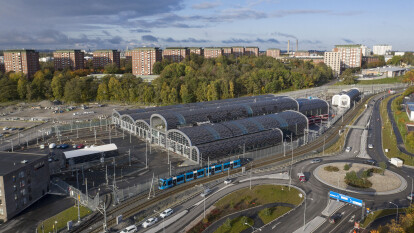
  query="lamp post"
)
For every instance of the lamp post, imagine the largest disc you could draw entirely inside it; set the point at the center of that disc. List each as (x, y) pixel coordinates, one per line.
(246, 223)
(396, 219)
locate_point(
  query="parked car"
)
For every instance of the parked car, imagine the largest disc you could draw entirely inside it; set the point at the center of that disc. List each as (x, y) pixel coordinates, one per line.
(410, 196)
(52, 145)
(6, 128)
(1, 135)
(80, 146)
(64, 146)
(130, 229)
(13, 129)
(166, 213)
(348, 149)
(335, 218)
(205, 192)
(227, 181)
(149, 222)
(370, 162)
(316, 160)
(370, 146)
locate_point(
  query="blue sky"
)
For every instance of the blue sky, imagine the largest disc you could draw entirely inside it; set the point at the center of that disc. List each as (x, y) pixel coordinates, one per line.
(116, 24)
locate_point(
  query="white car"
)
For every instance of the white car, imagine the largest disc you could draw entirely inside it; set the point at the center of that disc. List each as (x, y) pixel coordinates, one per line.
(348, 149)
(166, 213)
(410, 197)
(227, 181)
(130, 229)
(370, 146)
(316, 160)
(149, 222)
(6, 128)
(206, 192)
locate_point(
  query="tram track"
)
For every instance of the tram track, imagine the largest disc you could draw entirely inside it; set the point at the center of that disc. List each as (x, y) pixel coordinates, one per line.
(330, 135)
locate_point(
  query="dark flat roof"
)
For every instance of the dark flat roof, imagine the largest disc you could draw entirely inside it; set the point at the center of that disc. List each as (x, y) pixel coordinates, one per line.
(10, 161)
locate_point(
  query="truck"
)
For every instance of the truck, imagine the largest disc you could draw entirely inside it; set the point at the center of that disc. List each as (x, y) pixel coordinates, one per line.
(396, 162)
(302, 177)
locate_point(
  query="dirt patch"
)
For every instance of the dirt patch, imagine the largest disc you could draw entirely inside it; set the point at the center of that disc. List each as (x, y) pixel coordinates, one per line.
(380, 183)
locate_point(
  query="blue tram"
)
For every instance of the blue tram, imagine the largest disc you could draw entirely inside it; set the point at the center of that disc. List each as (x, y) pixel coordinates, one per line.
(197, 173)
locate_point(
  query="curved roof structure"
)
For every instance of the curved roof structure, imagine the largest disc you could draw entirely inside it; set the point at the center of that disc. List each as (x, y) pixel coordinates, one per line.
(313, 106)
(353, 93)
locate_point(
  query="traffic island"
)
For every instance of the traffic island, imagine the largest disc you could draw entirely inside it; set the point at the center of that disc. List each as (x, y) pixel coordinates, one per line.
(360, 178)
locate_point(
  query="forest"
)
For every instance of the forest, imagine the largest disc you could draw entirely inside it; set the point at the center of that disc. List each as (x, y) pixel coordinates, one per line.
(194, 79)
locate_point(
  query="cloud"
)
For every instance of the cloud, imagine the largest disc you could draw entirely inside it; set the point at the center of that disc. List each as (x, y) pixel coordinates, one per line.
(189, 40)
(149, 38)
(116, 40)
(205, 5)
(246, 41)
(283, 13)
(348, 41)
(106, 33)
(313, 42)
(283, 35)
(139, 30)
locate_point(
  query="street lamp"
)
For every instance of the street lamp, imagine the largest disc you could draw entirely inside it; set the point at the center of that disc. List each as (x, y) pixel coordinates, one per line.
(396, 219)
(245, 223)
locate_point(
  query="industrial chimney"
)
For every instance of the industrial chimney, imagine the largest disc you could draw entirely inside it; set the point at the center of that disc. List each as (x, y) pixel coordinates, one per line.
(288, 47)
(297, 44)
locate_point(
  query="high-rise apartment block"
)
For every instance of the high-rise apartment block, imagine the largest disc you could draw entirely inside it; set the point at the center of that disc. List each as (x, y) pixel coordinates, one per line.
(351, 55)
(275, 53)
(227, 51)
(144, 58)
(213, 52)
(24, 179)
(251, 51)
(381, 49)
(128, 56)
(365, 51)
(238, 51)
(197, 50)
(25, 60)
(72, 59)
(333, 60)
(175, 54)
(101, 58)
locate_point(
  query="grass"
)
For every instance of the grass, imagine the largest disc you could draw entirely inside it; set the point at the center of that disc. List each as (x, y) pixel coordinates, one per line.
(275, 212)
(398, 79)
(237, 225)
(62, 218)
(401, 118)
(388, 138)
(331, 168)
(378, 214)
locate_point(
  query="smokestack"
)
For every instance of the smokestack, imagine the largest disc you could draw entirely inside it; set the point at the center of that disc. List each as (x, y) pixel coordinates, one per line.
(297, 44)
(288, 47)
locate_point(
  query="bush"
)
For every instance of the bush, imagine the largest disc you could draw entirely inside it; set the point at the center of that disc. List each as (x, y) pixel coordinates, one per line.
(331, 168)
(227, 224)
(267, 212)
(352, 179)
(347, 167)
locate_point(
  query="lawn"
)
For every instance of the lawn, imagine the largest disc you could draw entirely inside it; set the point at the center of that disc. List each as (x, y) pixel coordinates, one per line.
(378, 214)
(398, 79)
(274, 213)
(62, 218)
(388, 138)
(401, 118)
(235, 225)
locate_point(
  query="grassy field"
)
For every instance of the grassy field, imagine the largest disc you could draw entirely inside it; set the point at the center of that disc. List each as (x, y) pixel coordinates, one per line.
(398, 79)
(62, 218)
(236, 225)
(378, 214)
(388, 138)
(275, 212)
(401, 118)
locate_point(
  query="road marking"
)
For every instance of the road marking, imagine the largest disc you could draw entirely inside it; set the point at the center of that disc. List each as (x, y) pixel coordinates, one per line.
(275, 225)
(333, 230)
(352, 218)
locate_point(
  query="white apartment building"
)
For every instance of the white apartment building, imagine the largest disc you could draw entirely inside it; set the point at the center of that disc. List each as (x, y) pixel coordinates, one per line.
(381, 49)
(366, 51)
(333, 60)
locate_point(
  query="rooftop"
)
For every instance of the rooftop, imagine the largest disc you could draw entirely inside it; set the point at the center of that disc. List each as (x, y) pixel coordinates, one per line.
(176, 48)
(67, 51)
(105, 50)
(146, 48)
(348, 45)
(273, 49)
(11, 161)
(19, 50)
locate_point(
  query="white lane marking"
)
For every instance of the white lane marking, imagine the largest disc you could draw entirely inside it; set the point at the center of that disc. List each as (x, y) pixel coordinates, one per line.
(275, 225)
(333, 230)
(352, 218)
(198, 203)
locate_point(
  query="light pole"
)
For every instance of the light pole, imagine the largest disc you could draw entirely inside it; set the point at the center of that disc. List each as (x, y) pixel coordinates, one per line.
(291, 164)
(246, 223)
(396, 219)
(304, 212)
(251, 169)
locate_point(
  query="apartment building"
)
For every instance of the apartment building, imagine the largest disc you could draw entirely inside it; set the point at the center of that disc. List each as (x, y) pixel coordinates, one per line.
(251, 51)
(23, 60)
(101, 58)
(128, 56)
(144, 58)
(24, 179)
(238, 51)
(301, 53)
(381, 49)
(72, 59)
(272, 52)
(333, 60)
(175, 54)
(227, 51)
(212, 52)
(365, 51)
(197, 50)
(350, 55)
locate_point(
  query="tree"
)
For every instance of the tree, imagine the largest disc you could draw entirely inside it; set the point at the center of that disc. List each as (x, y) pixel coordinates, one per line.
(22, 87)
(347, 167)
(227, 224)
(111, 68)
(103, 92)
(347, 77)
(383, 166)
(185, 95)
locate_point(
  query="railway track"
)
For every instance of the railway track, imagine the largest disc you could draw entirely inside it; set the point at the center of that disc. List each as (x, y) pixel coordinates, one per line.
(330, 135)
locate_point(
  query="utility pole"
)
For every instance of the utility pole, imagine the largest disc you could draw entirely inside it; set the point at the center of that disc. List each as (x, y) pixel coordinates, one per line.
(146, 153)
(129, 156)
(291, 164)
(208, 166)
(168, 152)
(323, 150)
(94, 130)
(251, 169)
(106, 174)
(78, 208)
(87, 196)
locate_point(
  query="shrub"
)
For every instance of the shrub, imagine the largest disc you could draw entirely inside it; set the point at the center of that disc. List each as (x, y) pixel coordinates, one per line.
(383, 166)
(267, 212)
(347, 167)
(331, 168)
(352, 179)
(227, 224)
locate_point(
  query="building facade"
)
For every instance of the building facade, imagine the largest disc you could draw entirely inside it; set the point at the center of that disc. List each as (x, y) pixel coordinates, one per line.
(351, 55)
(72, 59)
(175, 54)
(101, 58)
(212, 52)
(275, 53)
(365, 51)
(24, 179)
(144, 58)
(333, 60)
(251, 51)
(301, 53)
(381, 49)
(26, 61)
(227, 51)
(197, 50)
(238, 51)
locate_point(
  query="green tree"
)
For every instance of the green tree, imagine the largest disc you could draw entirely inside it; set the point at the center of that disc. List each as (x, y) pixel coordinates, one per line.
(348, 77)
(8, 89)
(22, 87)
(227, 224)
(111, 68)
(347, 167)
(185, 95)
(383, 166)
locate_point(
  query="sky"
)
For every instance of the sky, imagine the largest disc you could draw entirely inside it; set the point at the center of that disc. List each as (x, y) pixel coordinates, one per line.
(121, 24)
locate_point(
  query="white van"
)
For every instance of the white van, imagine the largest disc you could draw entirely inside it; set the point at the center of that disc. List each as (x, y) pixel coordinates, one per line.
(52, 146)
(130, 229)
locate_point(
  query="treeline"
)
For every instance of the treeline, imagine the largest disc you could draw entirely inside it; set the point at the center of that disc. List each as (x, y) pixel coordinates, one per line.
(195, 79)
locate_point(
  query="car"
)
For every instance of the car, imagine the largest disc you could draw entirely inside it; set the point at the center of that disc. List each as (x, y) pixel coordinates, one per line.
(64, 146)
(205, 192)
(166, 213)
(335, 218)
(370, 146)
(410, 196)
(80, 146)
(316, 160)
(348, 149)
(20, 129)
(227, 181)
(1, 135)
(52, 145)
(149, 222)
(50, 160)
(130, 229)
(6, 128)
(13, 129)
(370, 162)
